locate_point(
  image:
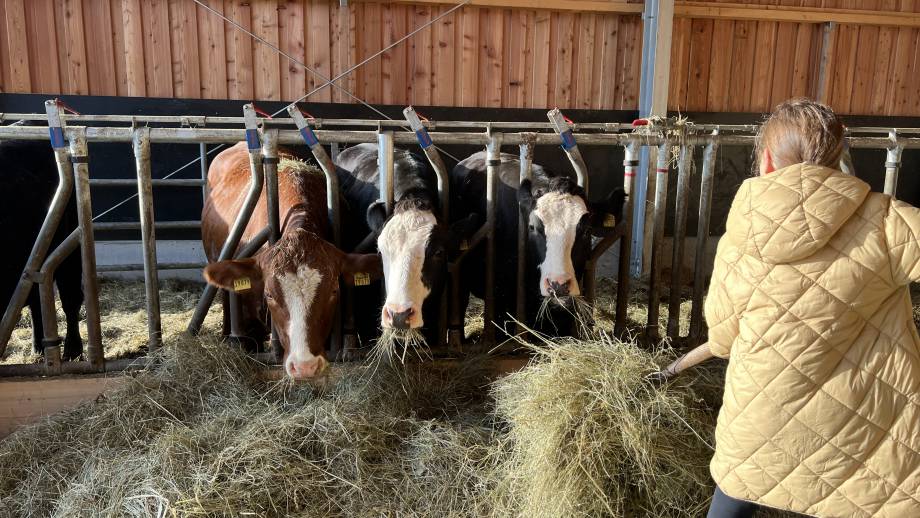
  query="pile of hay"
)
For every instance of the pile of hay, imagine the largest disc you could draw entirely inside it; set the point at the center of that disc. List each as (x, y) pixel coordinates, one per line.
(579, 432)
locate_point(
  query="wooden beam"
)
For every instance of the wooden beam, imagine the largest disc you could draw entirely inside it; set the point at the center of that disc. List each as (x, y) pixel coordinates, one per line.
(778, 13)
(602, 6)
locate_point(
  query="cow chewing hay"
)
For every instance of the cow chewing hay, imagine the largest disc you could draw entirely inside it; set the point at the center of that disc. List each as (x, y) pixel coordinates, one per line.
(396, 344)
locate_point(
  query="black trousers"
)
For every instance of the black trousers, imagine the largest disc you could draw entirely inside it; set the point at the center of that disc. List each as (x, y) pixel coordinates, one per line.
(724, 506)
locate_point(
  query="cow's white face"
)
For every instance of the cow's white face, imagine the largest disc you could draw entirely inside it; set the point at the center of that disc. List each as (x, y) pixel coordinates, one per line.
(402, 244)
(299, 291)
(559, 214)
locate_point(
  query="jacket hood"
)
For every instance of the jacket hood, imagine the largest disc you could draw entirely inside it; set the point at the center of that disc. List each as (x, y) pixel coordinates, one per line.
(793, 212)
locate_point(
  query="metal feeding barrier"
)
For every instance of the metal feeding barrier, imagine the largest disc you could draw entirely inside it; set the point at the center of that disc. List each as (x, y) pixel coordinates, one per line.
(70, 134)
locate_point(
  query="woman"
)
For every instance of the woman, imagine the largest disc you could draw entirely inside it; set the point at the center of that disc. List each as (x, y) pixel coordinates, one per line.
(809, 302)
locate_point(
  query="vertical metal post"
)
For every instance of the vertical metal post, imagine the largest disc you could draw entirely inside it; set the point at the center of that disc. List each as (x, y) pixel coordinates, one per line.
(684, 174)
(49, 226)
(46, 288)
(239, 225)
(570, 146)
(148, 235)
(333, 150)
(52, 360)
(349, 341)
(385, 166)
(525, 160)
(702, 237)
(630, 167)
(79, 156)
(270, 170)
(893, 164)
(846, 161)
(203, 159)
(661, 202)
(492, 173)
(437, 163)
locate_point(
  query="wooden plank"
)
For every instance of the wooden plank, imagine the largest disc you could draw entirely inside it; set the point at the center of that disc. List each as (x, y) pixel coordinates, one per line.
(135, 76)
(606, 80)
(565, 51)
(72, 46)
(700, 54)
(884, 57)
(742, 66)
(680, 65)
(369, 42)
(157, 48)
(291, 25)
(721, 65)
(443, 67)
(419, 86)
(553, 60)
(14, 25)
(762, 80)
(43, 59)
(629, 100)
(394, 62)
(806, 61)
(266, 60)
(539, 73)
(318, 47)
(911, 106)
(781, 13)
(584, 61)
(604, 6)
(4, 52)
(97, 18)
(864, 78)
(239, 50)
(344, 46)
(183, 24)
(783, 63)
(212, 51)
(468, 64)
(490, 58)
(118, 41)
(843, 69)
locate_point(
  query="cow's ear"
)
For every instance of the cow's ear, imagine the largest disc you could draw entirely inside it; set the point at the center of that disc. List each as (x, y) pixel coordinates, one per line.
(461, 231)
(525, 197)
(361, 269)
(376, 215)
(239, 275)
(608, 212)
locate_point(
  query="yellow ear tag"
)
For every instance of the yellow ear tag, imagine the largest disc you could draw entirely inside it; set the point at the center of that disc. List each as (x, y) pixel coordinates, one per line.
(242, 284)
(362, 279)
(610, 221)
(464, 245)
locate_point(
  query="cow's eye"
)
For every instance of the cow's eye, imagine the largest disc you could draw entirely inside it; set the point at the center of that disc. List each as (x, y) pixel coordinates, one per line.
(439, 253)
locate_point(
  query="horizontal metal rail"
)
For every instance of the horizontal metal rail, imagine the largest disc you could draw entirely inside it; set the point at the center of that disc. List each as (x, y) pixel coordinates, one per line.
(135, 225)
(132, 267)
(293, 137)
(126, 182)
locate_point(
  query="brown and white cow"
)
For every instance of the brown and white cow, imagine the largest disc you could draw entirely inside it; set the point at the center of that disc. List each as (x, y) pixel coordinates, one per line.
(297, 278)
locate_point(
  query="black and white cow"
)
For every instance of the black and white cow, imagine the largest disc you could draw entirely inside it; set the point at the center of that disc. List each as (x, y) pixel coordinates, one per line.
(414, 241)
(28, 178)
(559, 219)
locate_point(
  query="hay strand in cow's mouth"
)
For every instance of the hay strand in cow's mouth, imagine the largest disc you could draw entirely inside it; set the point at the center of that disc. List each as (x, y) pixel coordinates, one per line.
(397, 344)
(581, 311)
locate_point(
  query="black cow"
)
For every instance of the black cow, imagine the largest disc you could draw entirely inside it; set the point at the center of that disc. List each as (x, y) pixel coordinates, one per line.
(28, 178)
(559, 218)
(414, 241)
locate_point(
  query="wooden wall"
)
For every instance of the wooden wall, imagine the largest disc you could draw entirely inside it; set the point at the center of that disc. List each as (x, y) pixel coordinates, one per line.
(750, 66)
(490, 57)
(478, 56)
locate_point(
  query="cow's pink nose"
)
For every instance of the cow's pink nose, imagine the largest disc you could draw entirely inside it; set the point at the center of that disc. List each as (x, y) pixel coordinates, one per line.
(306, 369)
(397, 315)
(559, 286)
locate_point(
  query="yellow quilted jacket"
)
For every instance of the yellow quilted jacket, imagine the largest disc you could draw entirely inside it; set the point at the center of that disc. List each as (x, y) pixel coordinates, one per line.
(809, 302)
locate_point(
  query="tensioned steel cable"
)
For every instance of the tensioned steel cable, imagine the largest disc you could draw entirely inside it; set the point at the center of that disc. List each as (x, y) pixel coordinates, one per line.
(327, 81)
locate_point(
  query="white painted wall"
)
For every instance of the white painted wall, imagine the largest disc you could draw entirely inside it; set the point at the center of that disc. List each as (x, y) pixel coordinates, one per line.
(168, 251)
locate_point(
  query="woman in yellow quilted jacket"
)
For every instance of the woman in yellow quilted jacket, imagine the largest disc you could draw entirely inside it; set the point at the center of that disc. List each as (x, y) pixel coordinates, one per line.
(809, 303)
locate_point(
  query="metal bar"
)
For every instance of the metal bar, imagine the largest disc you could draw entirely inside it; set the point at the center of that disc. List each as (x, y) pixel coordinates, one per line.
(570, 146)
(846, 161)
(249, 248)
(49, 226)
(492, 178)
(661, 202)
(133, 267)
(236, 232)
(203, 159)
(437, 163)
(46, 286)
(169, 182)
(702, 237)
(386, 168)
(630, 166)
(590, 275)
(525, 159)
(892, 164)
(148, 236)
(52, 360)
(684, 174)
(270, 168)
(134, 225)
(80, 158)
(75, 367)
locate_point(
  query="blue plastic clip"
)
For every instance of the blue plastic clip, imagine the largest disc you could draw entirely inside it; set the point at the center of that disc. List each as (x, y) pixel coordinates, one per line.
(57, 137)
(424, 139)
(308, 136)
(252, 139)
(568, 140)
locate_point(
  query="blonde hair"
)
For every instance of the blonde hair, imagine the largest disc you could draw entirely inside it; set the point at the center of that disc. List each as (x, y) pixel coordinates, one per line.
(801, 130)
